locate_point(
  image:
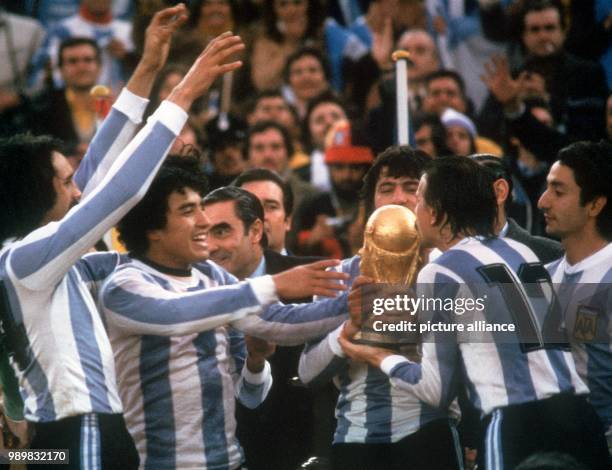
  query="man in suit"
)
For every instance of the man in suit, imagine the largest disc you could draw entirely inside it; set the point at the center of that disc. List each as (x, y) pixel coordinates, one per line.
(276, 197)
(278, 435)
(546, 249)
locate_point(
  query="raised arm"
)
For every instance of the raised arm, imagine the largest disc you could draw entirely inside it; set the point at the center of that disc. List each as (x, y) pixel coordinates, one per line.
(43, 257)
(126, 114)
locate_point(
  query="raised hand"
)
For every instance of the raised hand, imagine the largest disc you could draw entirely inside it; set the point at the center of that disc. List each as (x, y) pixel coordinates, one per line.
(310, 279)
(214, 61)
(158, 35)
(498, 80)
(157, 44)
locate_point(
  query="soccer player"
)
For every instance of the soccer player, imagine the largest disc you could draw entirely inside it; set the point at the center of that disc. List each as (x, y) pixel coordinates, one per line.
(57, 339)
(577, 207)
(379, 426)
(173, 319)
(529, 393)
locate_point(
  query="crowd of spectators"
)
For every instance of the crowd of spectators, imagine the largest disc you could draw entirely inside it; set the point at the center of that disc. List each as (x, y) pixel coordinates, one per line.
(518, 79)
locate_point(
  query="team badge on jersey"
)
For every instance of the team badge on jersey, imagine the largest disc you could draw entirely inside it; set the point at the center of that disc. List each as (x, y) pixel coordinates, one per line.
(585, 328)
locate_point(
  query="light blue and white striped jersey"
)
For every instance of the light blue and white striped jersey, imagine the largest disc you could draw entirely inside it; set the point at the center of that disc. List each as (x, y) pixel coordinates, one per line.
(496, 373)
(177, 366)
(66, 365)
(369, 409)
(585, 292)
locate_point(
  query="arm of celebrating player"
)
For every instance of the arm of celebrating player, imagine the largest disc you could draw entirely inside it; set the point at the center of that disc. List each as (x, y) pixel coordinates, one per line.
(320, 362)
(136, 304)
(42, 258)
(126, 114)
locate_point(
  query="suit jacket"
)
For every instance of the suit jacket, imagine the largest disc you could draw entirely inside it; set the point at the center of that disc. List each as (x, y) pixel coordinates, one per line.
(546, 249)
(278, 435)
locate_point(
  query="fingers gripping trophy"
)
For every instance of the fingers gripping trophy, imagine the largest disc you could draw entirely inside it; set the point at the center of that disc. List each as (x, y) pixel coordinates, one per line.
(391, 256)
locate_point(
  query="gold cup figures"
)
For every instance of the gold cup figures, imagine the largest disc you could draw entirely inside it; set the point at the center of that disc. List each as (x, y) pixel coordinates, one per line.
(390, 256)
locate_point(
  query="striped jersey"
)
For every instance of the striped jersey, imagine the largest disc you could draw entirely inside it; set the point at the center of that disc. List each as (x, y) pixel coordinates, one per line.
(585, 294)
(179, 356)
(500, 370)
(369, 409)
(62, 355)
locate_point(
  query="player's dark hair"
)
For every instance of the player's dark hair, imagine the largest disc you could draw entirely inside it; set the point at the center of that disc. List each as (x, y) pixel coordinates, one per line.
(497, 169)
(461, 193)
(26, 183)
(263, 174)
(591, 163)
(177, 174)
(246, 206)
(399, 161)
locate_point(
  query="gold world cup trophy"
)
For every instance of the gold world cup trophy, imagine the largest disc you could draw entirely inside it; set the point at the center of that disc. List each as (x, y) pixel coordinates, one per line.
(390, 256)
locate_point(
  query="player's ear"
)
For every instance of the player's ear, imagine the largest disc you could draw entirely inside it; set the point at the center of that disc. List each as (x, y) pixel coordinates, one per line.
(256, 231)
(597, 205)
(502, 190)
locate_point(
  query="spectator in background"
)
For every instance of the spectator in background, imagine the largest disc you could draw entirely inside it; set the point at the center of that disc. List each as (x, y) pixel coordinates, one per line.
(68, 113)
(323, 222)
(455, 25)
(271, 105)
(323, 112)
(430, 135)
(460, 133)
(226, 154)
(529, 168)
(307, 75)
(445, 89)
(20, 39)
(94, 20)
(268, 145)
(462, 137)
(577, 88)
(424, 61)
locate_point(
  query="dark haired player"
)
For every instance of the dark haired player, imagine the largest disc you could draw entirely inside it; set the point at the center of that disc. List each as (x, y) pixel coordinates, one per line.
(577, 207)
(529, 393)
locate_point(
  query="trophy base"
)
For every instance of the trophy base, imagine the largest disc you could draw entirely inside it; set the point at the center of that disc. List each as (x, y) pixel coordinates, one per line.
(402, 346)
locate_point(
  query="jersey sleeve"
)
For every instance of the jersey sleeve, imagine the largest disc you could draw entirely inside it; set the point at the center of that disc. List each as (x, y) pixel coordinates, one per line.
(111, 138)
(135, 304)
(321, 361)
(40, 260)
(293, 324)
